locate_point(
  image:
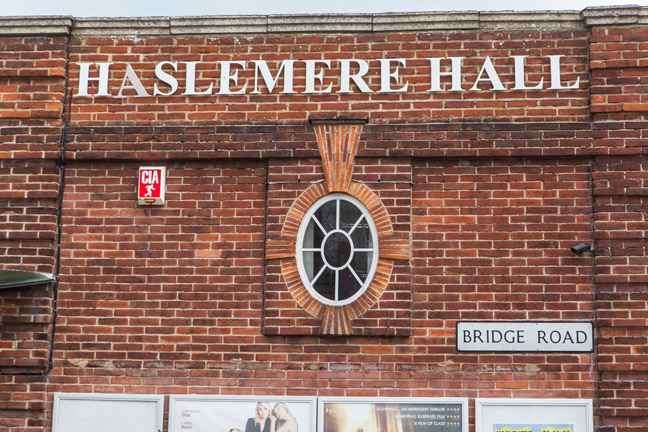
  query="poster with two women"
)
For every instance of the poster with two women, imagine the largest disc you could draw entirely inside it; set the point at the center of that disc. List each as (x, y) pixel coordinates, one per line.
(242, 414)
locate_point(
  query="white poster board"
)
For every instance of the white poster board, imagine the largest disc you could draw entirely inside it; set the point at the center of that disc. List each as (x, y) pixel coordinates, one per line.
(534, 415)
(357, 414)
(100, 412)
(242, 414)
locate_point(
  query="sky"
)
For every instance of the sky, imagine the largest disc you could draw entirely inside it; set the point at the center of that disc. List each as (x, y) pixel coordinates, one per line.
(228, 7)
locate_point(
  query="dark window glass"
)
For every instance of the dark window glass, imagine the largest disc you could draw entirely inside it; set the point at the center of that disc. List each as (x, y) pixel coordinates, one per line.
(325, 284)
(348, 284)
(361, 263)
(337, 249)
(313, 236)
(349, 215)
(361, 235)
(327, 215)
(313, 263)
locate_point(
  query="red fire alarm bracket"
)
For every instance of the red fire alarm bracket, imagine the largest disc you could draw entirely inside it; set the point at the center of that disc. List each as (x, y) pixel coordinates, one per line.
(151, 185)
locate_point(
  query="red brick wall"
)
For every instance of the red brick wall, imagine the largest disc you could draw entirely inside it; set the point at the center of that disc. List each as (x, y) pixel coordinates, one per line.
(32, 86)
(28, 214)
(27, 234)
(494, 189)
(491, 242)
(169, 288)
(619, 68)
(619, 105)
(168, 300)
(622, 299)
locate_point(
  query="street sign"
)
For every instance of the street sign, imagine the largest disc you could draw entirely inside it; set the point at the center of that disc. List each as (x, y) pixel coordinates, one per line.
(525, 336)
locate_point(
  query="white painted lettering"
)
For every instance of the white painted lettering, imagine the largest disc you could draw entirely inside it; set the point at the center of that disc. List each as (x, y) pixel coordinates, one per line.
(387, 76)
(520, 75)
(131, 81)
(346, 76)
(190, 81)
(102, 79)
(260, 66)
(312, 76)
(492, 76)
(436, 74)
(229, 77)
(554, 67)
(166, 78)
(354, 77)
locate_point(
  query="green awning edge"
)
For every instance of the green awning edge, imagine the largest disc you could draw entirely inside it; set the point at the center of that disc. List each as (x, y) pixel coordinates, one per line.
(17, 278)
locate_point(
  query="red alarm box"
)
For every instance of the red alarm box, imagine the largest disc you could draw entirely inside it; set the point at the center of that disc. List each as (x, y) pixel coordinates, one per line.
(151, 185)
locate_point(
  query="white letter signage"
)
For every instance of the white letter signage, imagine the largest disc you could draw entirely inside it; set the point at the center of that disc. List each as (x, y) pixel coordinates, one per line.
(84, 79)
(547, 336)
(315, 76)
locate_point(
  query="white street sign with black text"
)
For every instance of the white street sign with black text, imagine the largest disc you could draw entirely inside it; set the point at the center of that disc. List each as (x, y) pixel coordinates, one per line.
(546, 336)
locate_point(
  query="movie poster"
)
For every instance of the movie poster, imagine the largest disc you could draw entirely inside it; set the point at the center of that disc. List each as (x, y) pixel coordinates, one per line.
(241, 414)
(533, 428)
(533, 415)
(393, 415)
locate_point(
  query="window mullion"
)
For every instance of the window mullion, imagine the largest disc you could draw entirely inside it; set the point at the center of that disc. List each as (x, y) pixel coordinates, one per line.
(337, 214)
(353, 272)
(318, 223)
(319, 273)
(355, 225)
(337, 285)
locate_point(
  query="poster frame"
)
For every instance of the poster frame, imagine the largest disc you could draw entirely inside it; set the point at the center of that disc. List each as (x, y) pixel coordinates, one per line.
(158, 399)
(312, 400)
(409, 400)
(482, 403)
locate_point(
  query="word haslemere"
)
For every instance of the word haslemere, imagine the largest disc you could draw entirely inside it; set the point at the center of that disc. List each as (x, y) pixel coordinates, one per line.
(350, 71)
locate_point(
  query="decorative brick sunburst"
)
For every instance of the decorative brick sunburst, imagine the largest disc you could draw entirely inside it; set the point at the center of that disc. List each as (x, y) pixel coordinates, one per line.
(338, 144)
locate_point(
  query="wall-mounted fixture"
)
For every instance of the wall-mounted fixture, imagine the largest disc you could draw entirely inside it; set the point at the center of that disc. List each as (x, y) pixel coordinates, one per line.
(581, 248)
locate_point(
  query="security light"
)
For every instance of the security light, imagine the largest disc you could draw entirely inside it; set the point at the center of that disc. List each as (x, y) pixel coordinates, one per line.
(581, 248)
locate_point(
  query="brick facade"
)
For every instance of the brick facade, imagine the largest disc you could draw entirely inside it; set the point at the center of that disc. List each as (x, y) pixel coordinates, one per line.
(490, 188)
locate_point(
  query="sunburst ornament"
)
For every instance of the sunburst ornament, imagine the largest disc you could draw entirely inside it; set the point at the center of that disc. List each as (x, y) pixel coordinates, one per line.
(337, 245)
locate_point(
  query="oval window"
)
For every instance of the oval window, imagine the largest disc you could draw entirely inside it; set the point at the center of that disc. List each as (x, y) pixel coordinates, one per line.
(337, 249)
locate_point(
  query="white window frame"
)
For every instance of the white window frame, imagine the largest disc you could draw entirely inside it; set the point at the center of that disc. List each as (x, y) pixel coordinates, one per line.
(299, 249)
